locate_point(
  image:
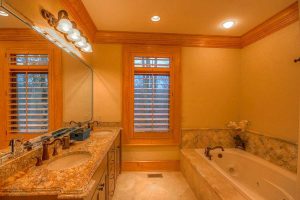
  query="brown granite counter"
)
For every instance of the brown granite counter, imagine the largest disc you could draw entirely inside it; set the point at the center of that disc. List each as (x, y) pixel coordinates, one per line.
(68, 183)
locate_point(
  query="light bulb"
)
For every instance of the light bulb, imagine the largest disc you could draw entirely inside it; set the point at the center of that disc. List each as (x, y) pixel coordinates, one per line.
(64, 26)
(155, 18)
(87, 49)
(81, 43)
(4, 14)
(228, 24)
(74, 35)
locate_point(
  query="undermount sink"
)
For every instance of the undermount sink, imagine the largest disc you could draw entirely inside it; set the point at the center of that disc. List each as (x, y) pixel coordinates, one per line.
(103, 133)
(70, 160)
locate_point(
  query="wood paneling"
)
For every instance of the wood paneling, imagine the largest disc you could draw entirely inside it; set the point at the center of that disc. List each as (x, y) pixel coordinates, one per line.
(168, 165)
(167, 39)
(82, 18)
(273, 24)
(20, 34)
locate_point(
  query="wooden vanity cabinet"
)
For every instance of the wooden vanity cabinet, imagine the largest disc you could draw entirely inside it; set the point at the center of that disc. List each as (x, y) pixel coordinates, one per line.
(112, 164)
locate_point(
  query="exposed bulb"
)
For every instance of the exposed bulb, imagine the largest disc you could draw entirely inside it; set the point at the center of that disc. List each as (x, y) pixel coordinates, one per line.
(74, 36)
(81, 43)
(87, 49)
(64, 26)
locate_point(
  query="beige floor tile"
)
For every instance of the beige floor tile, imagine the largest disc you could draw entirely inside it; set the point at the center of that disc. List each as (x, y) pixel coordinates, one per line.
(137, 186)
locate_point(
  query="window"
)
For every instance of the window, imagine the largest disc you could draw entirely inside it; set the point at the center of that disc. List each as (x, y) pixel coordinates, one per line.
(28, 93)
(151, 96)
(151, 87)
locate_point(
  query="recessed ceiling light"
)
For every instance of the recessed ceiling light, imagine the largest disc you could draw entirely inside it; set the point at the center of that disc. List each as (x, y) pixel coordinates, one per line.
(155, 18)
(2, 13)
(228, 24)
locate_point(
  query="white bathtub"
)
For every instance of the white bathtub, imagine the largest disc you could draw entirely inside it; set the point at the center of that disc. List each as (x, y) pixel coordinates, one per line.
(256, 178)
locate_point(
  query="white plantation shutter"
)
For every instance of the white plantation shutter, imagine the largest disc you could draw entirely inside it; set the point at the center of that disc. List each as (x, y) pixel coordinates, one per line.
(28, 95)
(151, 96)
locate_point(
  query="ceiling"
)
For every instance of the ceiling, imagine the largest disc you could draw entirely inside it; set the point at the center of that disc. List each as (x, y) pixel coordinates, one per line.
(182, 16)
(11, 22)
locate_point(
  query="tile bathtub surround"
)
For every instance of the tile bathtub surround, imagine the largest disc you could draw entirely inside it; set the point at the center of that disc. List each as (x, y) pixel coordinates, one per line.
(201, 138)
(206, 182)
(277, 151)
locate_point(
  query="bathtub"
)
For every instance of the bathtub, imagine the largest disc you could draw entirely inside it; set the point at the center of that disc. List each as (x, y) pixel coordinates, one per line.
(256, 178)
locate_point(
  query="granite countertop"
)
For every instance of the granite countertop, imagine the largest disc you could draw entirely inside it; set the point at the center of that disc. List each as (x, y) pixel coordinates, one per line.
(72, 182)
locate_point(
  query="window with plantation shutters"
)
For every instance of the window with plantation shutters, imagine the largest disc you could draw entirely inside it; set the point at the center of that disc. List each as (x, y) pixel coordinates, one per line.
(151, 95)
(28, 95)
(151, 103)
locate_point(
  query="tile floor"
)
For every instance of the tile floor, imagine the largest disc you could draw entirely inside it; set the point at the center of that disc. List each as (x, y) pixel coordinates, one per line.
(137, 186)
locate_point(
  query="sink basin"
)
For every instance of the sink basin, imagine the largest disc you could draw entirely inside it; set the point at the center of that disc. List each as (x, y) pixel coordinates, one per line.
(103, 133)
(70, 160)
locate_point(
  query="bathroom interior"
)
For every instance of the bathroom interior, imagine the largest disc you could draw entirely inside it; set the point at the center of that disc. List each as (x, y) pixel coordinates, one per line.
(142, 100)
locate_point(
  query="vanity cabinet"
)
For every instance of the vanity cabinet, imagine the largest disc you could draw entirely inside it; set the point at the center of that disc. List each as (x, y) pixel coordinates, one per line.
(109, 171)
(113, 166)
(100, 193)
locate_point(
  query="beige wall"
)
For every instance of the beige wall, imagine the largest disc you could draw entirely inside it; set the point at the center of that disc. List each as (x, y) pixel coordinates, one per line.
(270, 84)
(212, 93)
(77, 89)
(210, 87)
(107, 65)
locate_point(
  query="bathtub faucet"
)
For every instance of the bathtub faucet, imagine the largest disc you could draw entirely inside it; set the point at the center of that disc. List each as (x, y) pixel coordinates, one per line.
(208, 149)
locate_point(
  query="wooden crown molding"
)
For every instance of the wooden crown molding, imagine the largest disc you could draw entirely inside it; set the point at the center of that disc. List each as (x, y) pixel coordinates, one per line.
(166, 39)
(273, 24)
(20, 34)
(80, 15)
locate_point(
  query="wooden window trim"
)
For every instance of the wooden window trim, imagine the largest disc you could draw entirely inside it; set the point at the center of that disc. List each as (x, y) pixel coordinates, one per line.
(129, 52)
(54, 70)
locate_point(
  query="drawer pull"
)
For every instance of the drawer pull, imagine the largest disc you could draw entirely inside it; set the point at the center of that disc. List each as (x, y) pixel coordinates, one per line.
(101, 187)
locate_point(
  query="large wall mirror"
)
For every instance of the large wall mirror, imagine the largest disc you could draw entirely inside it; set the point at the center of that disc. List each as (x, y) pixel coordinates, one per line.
(42, 87)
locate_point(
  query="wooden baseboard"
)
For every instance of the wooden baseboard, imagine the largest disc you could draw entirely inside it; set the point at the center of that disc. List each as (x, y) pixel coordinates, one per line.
(167, 165)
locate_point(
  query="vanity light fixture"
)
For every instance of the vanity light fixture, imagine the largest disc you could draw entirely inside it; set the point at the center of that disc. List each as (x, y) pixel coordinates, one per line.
(68, 28)
(3, 14)
(155, 18)
(228, 24)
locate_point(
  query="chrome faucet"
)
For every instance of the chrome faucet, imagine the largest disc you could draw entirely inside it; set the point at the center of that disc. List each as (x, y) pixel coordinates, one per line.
(208, 149)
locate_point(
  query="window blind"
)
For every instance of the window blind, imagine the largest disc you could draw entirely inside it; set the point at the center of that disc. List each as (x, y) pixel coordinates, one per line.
(151, 97)
(28, 99)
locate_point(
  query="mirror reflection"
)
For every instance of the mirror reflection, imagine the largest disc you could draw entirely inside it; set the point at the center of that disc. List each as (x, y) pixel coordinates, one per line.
(42, 87)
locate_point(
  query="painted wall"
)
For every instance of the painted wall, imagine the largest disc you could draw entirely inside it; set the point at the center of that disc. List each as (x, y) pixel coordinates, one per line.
(107, 65)
(204, 73)
(210, 87)
(77, 89)
(270, 84)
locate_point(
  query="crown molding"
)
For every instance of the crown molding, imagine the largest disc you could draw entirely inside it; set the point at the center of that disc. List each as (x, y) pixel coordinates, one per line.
(20, 34)
(80, 15)
(271, 25)
(167, 39)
